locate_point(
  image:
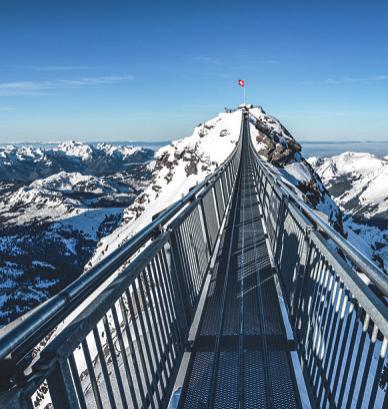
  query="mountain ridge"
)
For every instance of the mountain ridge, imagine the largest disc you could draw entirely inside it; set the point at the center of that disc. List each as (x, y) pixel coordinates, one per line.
(27, 163)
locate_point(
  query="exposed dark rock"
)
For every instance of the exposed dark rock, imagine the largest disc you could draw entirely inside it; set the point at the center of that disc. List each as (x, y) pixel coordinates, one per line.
(191, 168)
(279, 148)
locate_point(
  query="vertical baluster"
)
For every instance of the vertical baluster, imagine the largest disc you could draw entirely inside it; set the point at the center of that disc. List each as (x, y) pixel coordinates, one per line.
(104, 368)
(147, 372)
(124, 357)
(173, 301)
(116, 368)
(61, 386)
(77, 382)
(92, 376)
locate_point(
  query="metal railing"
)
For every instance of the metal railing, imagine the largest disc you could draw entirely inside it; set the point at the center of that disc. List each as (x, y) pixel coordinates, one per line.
(124, 347)
(340, 323)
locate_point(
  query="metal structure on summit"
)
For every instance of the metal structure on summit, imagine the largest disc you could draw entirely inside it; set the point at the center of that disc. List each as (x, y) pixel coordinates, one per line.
(236, 296)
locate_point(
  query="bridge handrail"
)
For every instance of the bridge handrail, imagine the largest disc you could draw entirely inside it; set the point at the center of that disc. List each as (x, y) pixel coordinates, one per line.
(21, 339)
(339, 321)
(370, 269)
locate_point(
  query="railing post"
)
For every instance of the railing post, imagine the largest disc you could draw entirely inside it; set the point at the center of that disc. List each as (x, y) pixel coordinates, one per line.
(61, 386)
(295, 301)
(263, 186)
(229, 178)
(216, 204)
(279, 228)
(205, 227)
(180, 285)
(223, 188)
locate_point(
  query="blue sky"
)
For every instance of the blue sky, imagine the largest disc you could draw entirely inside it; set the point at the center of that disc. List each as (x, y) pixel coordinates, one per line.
(153, 70)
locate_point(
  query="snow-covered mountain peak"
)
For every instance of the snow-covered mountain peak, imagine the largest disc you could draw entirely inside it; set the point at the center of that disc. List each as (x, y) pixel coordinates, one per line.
(77, 149)
(10, 154)
(178, 166)
(273, 140)
(119, 151)
(27, 163)
(187, 161)
(211, 141)
(86, 152)
(69, 182)
(349, 162)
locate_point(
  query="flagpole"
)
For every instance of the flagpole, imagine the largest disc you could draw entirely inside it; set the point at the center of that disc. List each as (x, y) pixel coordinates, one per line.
(241, 83)
(244, 91)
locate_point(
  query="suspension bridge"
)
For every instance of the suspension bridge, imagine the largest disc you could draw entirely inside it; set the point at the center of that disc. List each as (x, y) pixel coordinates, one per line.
(237, 296)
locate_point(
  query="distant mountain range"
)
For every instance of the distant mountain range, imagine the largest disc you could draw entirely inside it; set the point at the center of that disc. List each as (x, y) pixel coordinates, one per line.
(56, 204)
(26, 163)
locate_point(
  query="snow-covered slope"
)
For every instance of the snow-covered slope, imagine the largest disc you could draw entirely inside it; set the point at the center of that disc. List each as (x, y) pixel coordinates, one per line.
(178, 167)
(60, 196)
(276, 145)
(359, 184)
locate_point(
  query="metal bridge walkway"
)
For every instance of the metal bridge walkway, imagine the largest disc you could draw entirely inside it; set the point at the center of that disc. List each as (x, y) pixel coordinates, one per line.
(241, 355)
(190, 313)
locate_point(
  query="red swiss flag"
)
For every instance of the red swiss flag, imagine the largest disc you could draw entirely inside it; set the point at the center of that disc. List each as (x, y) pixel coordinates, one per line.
(241, 83)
